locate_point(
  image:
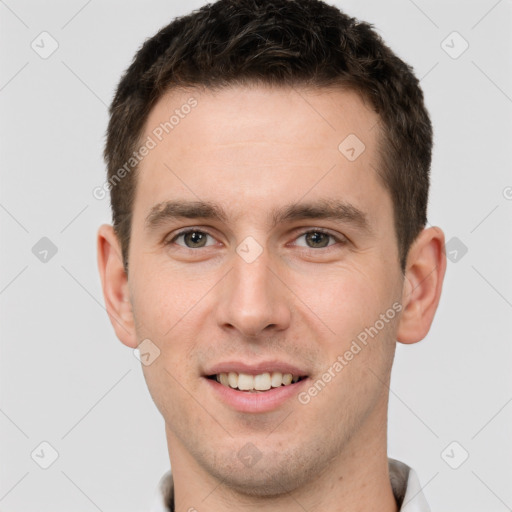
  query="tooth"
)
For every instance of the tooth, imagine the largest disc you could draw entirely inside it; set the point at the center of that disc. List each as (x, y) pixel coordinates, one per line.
(233, 379)
(245, 381)
(262, 382)
(277, 379)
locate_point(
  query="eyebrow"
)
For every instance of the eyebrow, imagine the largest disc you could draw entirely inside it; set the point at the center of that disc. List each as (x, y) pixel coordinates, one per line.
(327, 209)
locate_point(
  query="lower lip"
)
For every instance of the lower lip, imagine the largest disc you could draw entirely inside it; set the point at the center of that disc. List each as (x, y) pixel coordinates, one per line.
(264, 401)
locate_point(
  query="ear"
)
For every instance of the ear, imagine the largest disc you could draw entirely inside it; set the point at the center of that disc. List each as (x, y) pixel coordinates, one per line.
(114, 282)
(425, 269)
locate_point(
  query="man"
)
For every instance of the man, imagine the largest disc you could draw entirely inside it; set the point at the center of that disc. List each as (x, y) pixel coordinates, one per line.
(268, 167)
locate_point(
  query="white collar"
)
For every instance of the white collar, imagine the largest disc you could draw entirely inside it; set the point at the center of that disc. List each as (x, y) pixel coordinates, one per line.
(404, 482)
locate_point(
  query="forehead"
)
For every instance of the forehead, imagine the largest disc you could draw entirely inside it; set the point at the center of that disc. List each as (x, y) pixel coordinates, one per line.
(250, 145)
(277, 114)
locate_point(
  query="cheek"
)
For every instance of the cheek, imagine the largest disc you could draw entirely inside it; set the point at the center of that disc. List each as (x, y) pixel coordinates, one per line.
(344, 301)
(359, 321)
(160, 302)
(160, 313)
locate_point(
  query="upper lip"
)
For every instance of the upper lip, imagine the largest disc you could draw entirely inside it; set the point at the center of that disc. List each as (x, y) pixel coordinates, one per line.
(255, 368)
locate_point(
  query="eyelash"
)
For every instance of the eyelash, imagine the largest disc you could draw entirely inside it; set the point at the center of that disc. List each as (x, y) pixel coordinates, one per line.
(341, 241)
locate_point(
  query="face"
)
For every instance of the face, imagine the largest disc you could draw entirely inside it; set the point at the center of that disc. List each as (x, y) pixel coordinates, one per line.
(261, 246)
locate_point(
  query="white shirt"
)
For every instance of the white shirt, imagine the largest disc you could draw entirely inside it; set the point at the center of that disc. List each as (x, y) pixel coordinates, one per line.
(404, 482)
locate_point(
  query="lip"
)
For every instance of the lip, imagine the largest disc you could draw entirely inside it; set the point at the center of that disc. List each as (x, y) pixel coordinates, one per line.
(247, 402)
(255, 368)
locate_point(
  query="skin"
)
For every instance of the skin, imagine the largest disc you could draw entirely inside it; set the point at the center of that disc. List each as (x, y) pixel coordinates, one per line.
(251, 149)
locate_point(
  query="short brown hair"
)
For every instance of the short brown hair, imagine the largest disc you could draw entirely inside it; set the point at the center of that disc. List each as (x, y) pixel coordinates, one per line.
(283, 43)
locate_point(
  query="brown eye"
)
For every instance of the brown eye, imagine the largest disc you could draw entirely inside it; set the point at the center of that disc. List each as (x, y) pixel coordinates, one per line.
(317, 239)
(192, 239)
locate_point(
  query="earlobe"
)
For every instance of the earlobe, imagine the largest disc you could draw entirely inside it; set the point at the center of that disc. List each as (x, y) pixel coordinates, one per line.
(426, 266)
(114, 282)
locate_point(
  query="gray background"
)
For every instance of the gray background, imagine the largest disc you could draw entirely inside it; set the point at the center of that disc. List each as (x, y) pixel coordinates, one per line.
(66, 379)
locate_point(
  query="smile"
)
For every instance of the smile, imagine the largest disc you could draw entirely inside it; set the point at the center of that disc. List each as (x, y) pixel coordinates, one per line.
(255, 383)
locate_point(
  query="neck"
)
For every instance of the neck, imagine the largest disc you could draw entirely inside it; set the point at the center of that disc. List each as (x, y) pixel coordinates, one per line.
(356, 480)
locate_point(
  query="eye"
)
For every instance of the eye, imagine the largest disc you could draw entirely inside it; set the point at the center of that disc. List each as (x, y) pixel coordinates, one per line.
(196, 239)
(318, 239)
(192, 239)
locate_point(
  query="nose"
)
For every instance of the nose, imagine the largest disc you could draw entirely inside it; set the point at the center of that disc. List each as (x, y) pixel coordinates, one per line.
(253, 299)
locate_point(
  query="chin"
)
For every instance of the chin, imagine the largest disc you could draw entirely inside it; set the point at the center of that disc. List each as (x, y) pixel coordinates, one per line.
(263, 484)
(272, 475)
